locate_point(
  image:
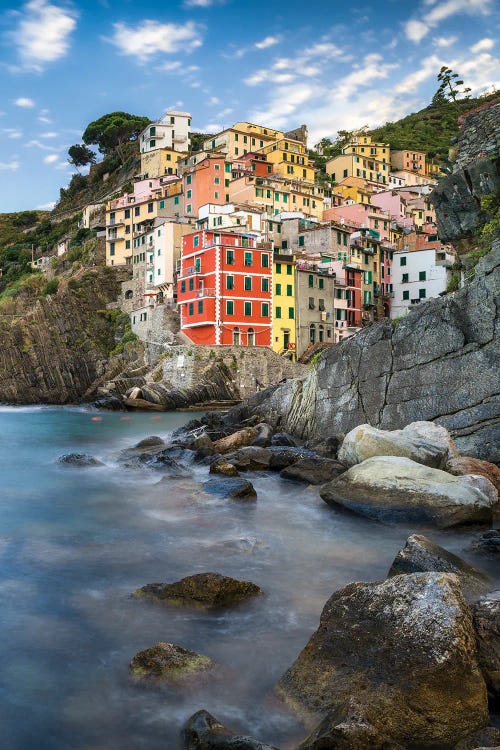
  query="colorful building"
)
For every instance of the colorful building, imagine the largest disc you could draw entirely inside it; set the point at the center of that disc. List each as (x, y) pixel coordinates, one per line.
(224, 289)
(206, 181)
(369, 168)
(418, 276)
(284, 314)
(410, 161)
(242, 138)
(160, 161)
(171, 132)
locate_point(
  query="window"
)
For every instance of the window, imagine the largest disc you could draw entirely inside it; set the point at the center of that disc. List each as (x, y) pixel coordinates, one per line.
(265, 260)
(196, 240)
(137, 211)
(278, 312)
(406, 294)
(217, 167)
(291, 313)
(162, 204)
(197, 265)
(265, 309)
(229, 282)
(150, 208)
(321, 283)
(264, 285)
(191, 308)
(200, 306)
(188, 179)
(321, 305)
(127, 213)
(191, 285)
(189, 194)
(421, 275)
(289, 270)
(227, 167)
(301, 240)
(172, 120)
(229, 307)
(402, 260)
(405, 278)
(421, 293)
(152, 143)
(127, 244)
(216, 180)
(278, 289)
(216, 194)
(176, 200)
(152, 131)
(248, 284)
(289, 292)
(189, 208)
(111, 248)
(248, 259)
(311, 303)
(230, 257)
(311, 280)
(248, 309)
(278, 267)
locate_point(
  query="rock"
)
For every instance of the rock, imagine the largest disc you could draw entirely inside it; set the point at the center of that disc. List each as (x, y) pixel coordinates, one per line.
(313, 470)
(459, 465)
(400, 657)
(231, 488)
(134, 393)
(204, 732)
(164, 462)
(250, 458)
(488, 543)
(205, 590)
(264, 435)
(489, 737)
(221, 466)
(236, 440)
(169, 663)
(486, 616)
(424, 442)
(283, 456)
(150, 442)
(482, 484)
(420, 555)
(283, 438)
(203, 446)
(393, 489)
(346, 732)
(80, 460)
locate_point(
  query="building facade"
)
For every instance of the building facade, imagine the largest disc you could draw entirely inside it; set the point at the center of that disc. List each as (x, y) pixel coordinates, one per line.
(170, 132)
(418, 276)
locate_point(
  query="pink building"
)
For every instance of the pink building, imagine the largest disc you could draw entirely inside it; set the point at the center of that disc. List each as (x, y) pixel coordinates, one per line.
(361, 215)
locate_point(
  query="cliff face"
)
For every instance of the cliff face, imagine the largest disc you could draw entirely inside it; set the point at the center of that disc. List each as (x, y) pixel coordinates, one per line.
(51, 351)
(439, 363)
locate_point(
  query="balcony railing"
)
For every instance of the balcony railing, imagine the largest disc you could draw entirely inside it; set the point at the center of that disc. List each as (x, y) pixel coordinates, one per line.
(205, 292)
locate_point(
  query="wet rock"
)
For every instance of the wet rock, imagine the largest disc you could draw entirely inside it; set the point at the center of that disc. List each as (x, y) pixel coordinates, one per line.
(236, 440)
(486, 617)
(398, 656)
(424, 442)
(221, 466)
(460, 465)
(489, 737)
(80, 460)
(165, 463)
(250, 458)
(264, 435)
(313, 470)
(168, 663)
(203, 446)
(488, 543)
(347, 732)
(202, 590)
(231, 488)
(420, 555)
(204, 732)
(392, 489)
(283, 456)
(283, 438)
(150, 442)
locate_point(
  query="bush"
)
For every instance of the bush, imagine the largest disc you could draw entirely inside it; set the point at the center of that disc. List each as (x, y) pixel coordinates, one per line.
(51, 287)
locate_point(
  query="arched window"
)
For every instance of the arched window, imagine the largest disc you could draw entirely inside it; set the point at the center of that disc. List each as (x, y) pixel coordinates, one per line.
(320, 334)
(312, 333)
(236, 337)
(129, 294)
(251, 337)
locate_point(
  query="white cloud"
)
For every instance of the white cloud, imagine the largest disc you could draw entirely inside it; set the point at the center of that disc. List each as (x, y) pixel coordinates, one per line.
(46, 206)
(412, 81)
(24, 102)
(9, 166)
(149, 38)
(269, 41)
(212, 127)
(200, 3)
(50, 158)
(43, 34)
(64, 165)
(213, 101)
(36, 144)
(49, 135)
(416, 29)
(171, 65)
(482, 45)
(444, 41)
(12, 133)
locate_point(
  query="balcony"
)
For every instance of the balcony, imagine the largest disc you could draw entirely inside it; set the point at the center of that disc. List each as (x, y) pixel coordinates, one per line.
(205, 292)
(444, 259)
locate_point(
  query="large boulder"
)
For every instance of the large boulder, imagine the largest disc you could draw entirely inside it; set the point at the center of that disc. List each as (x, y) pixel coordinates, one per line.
(398, 657)
(204, 732)
(202, 590)
(487, 738)
(486, 616)
(420, 555)
(236, 440)
(392, 489)
(460, 465)
(250, 458)
(168, 663)
(313, 470)
(230, 487)
(424, 442)
(283, 456)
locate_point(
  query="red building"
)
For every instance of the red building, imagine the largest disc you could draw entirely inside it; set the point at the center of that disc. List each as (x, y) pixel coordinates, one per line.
(354, 295)
(224, 289)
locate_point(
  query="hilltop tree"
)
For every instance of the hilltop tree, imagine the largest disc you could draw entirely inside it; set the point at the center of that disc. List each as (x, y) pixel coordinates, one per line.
(451, 87)
(80, 155)
(110, 132)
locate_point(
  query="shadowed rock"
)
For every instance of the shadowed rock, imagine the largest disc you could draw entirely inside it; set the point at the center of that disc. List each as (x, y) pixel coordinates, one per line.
(231, 488)
(80, 460)
(204, 732)
(205, 590)
(486, 616)
(222, 466)
(168, 663)
(488, 543)
(313, 470)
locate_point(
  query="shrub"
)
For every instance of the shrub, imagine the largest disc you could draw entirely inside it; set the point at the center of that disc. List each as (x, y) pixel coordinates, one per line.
(51, 287)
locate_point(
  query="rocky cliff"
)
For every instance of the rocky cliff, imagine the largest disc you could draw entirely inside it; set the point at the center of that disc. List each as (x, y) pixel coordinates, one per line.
(53, 349)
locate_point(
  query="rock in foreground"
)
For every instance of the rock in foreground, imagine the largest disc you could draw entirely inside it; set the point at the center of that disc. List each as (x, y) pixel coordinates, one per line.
(168, 663)
(391, 489)
(206, 590)
(420, 555)
(204, 732)
(424, 442)
(486, 616)
(398, 657)
(80, 460)
(230, 488)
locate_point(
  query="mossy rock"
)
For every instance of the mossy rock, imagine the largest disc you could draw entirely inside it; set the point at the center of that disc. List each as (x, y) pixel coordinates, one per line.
(202, 590)
(168, 663)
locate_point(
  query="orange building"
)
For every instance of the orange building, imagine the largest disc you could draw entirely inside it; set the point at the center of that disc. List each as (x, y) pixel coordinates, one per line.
(206, 181)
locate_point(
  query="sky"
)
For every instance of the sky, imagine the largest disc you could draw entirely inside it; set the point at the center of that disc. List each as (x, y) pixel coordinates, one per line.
(329, 64)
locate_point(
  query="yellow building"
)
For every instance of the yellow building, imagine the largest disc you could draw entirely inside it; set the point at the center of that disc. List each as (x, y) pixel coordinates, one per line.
(160, 162)
(355, 189)
(242, 138)
(367, 167)
(289, 159)
(277, 194)
(284, 310)
(362, 145)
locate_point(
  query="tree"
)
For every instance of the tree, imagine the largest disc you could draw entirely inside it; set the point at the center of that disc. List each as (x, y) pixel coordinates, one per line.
(449, 90)
(110, 132)
(80, 155)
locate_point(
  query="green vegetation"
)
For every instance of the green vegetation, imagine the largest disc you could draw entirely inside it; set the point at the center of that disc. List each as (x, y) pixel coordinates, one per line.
(120, 322)
(51, 287)
(80, 155)
(110, 132)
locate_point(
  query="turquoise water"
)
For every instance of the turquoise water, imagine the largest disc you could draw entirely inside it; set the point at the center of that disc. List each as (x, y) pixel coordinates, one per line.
(75, 542)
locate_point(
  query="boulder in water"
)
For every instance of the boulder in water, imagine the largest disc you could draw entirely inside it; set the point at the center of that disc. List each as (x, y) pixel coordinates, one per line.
(313, 470)
(488, 543)
(460, 465)
(222, 466)
(236, 440)
(204, 732)
(264, 435)
(391, 489)
(250, 458)
(150, 442)
(420, 555)
(80, 460)
(231, 488)
(398, 657)
(486, 617)
(424, 442)
(169, 663)
(205, 590)
(283, 456)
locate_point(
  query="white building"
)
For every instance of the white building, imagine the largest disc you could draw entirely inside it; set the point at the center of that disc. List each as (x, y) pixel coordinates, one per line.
(417, 276)
(171, 132)
(229, 216)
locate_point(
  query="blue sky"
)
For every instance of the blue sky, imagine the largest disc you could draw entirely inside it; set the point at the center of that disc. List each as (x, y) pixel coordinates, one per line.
(332, 65)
